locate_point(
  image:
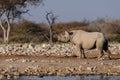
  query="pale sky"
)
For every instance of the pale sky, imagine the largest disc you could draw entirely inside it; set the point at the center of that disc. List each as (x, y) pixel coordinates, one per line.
(76, 10)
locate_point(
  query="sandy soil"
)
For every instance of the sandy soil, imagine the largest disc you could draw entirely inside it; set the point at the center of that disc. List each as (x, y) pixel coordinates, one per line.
(61, 66)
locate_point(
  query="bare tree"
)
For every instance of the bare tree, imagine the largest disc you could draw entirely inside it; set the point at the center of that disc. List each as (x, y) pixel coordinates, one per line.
(12, 9)
(50, 17)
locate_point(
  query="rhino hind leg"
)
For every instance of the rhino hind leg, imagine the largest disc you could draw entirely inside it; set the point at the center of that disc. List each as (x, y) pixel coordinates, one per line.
(100, 47)
(105, 48)
(108, 54)
(100, 54)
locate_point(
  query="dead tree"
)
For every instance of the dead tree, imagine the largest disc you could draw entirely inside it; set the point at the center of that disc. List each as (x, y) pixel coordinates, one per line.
(50, 17)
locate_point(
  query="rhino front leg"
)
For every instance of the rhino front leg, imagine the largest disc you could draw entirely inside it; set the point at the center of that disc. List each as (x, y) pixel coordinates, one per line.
(78, 51)
(83, 54)
(108, 54)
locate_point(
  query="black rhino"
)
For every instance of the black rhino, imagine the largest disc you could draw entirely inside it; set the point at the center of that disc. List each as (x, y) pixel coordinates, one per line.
(86, 41)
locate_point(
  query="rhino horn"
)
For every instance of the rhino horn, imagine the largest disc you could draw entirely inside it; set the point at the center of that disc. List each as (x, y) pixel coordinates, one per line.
(67, 36)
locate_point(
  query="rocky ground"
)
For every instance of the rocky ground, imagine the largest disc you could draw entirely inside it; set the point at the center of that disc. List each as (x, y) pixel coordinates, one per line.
(44, 49)
(44, 59)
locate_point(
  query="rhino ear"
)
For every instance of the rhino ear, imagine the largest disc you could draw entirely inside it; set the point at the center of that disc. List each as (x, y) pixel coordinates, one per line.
(70, 33)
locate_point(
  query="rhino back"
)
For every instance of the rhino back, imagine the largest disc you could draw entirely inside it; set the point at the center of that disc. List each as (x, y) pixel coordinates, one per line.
(76, 36)
(90, 40)
(87, 39)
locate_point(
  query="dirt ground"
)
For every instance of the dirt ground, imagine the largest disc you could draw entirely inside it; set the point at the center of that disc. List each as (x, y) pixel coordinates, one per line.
(60, 66)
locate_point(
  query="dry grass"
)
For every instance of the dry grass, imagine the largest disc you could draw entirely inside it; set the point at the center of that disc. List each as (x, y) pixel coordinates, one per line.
(28, 31)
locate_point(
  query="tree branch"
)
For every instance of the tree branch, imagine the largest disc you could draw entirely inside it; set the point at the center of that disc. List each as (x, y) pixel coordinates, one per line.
(2, 25)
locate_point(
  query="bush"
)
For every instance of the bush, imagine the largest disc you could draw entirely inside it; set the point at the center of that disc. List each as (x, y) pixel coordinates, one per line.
(27, 31)
(105, 26)
(114, 38)
(70, 26)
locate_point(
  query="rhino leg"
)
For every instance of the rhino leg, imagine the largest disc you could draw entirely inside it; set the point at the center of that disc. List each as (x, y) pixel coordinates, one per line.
(108, 54)
(99, 46)
(100, 54)
(78, 51)
(107, 50)
(83, 54)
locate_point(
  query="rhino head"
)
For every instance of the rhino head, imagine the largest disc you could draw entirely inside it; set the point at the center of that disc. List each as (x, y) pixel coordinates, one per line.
(64, 37)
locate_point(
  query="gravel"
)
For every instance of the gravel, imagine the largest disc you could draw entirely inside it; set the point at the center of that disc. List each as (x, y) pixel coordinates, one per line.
(64, 49)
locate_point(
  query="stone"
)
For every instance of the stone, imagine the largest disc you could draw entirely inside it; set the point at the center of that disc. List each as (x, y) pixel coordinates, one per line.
(2, 77)
(80, 68)
(16, 73)
(16, 77)
(9, 76)
(102, 63)
(43, 45)
(31, 45)
(89, 68)
(65, 49)
(24, 60)
(25, 46)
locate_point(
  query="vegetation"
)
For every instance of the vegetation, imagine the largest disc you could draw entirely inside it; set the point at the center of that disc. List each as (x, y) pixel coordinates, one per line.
(27, 31)
(10, 10)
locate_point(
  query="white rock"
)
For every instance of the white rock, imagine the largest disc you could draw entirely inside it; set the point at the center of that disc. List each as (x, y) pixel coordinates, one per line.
(43, 45)
(89, 68)
(24, 60)
(2, 77)
(31, 45)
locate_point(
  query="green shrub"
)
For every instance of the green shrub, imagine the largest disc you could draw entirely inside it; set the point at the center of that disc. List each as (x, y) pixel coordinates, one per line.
(114, 38)
(27, 31)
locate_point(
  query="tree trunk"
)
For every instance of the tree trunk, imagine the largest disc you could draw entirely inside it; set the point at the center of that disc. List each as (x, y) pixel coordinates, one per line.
(6, 31)
(51, 38)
